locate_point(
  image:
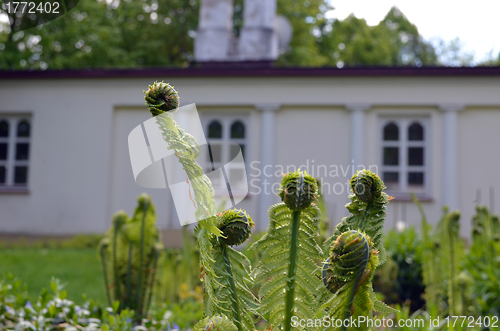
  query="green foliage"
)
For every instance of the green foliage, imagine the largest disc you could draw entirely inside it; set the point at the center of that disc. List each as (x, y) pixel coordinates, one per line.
(129, 253)
(106, 34)
(405, 250)
(482, 264)
(394, 41)
(290, 254)
(215, 323)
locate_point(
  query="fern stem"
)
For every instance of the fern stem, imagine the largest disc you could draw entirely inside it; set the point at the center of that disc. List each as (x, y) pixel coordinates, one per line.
(354, 288)
(152, 281)
(105, 273)
(234, 297)
(129, 273)
(115, 266)
(290, 283)
(141, 263)
(362, 223)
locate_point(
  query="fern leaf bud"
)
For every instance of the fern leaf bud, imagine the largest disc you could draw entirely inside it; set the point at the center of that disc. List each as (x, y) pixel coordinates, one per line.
(367, 185)
(235, 225)
(349, 257)
(160, 98)
(298, 190)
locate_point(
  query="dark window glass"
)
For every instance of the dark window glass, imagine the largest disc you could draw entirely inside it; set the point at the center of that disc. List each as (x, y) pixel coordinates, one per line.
(391, 132)
(20, 175)
(391, 177)
(238, 130)
(416, 156)
(22, 151)
(3, 173)
(215, 130)
(23, 129)
(235, 149)
(3, 151)
(416, 132)
(391, 155)
(4, 129)
(416, 178)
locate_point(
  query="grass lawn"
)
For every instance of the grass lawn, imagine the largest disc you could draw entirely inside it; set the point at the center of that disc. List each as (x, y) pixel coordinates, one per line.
(80, 269)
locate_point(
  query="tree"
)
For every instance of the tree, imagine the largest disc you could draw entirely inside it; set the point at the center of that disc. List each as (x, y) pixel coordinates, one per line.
(106, 34)
(394, 41)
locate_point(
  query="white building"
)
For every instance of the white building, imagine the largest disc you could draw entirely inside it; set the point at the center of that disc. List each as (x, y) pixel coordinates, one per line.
(65, 168)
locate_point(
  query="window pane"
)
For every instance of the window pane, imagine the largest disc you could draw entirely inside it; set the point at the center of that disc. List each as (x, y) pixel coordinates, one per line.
(20, 175)
(416, 178)
(238, 130)
(416, 156)
(3, 173)
(22, 151)
(237, 179)
(215, 130)
(235, 149)
(4, 129)
(216, 152)
(23, 129)
(416, 132)
(391, 132)
(391, 155)
(3, 151)
(391, 180)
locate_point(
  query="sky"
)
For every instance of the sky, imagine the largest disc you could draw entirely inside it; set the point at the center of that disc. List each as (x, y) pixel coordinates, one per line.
(476, 24)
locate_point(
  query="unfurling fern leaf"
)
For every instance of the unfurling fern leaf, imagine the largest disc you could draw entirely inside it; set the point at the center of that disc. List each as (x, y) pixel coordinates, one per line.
(367, 208)
(162, 99)
(348, 273)
(130, 251)
(232, 268)
(215, 323)
(288, 268)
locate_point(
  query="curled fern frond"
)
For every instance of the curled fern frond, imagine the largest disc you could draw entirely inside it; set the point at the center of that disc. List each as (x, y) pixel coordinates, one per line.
(232, 295)
(161, 97)
(348, 273)
(298, 190)
(367, 208)
(215, 323)
(235, 225)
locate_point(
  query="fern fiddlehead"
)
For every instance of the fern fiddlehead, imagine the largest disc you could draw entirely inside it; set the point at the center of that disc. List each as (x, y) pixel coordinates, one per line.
(290, 253)
(367, 208)
(233, 270)
(162, 98)
(352, 254)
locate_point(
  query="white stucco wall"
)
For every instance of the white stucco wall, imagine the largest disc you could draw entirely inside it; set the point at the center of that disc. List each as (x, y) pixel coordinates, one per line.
(79, 168)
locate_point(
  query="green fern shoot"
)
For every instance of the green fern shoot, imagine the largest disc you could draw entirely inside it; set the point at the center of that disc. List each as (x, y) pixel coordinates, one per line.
(288, 268)
(234, 298)
(129, 253)
(215, 323)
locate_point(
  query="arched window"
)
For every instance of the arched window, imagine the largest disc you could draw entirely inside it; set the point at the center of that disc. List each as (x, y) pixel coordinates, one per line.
(391, 132)
(415, 132)
(4, 128)
(215, 130)
(23, 129)
(238, 130)
(404, 156)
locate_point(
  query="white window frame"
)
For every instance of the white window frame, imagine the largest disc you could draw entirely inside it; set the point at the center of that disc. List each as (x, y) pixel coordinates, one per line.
(403, 123)
(226, 120)
(10, 163)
